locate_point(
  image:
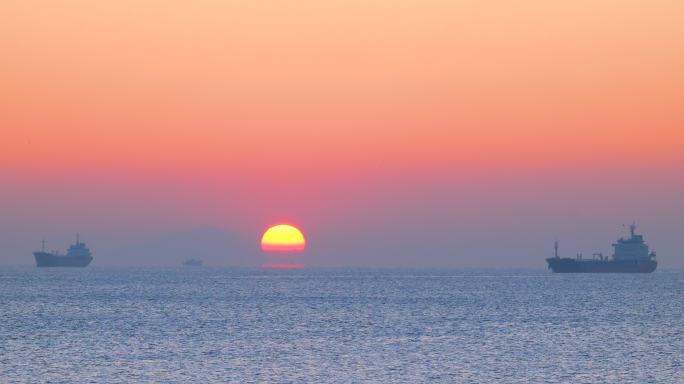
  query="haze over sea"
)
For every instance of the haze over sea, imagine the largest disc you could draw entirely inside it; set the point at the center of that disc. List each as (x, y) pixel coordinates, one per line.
(175, 325)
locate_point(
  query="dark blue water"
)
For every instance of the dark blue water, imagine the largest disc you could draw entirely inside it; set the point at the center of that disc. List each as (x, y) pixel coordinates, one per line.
(225, 325)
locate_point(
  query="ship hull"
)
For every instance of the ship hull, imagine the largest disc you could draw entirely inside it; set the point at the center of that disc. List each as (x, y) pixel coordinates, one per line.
(568, 265)
(44, 259)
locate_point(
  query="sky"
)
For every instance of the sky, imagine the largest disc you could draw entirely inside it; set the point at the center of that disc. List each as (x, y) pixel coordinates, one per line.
(393, 133)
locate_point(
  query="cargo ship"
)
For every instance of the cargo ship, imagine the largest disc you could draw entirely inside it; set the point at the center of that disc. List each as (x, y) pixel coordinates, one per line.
(78, 255)
(630, 255)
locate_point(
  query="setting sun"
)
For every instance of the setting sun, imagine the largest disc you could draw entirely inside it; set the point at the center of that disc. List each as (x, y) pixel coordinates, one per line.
(283, 238)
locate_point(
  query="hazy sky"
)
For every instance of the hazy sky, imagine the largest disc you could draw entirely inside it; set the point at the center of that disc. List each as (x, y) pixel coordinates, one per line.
(393, 133)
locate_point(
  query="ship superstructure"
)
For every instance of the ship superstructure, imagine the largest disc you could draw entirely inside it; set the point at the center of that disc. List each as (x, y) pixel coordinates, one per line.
(78, 255)
(631, 255)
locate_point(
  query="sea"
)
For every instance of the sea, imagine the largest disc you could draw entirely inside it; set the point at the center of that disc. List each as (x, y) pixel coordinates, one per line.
(230, 325)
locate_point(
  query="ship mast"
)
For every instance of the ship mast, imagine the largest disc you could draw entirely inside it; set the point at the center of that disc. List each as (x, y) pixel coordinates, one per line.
(555, 248)
(43, 245)
(77, 238)
(632, 228)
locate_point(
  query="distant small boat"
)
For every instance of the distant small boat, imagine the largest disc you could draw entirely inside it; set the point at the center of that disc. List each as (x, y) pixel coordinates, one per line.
(192, 263)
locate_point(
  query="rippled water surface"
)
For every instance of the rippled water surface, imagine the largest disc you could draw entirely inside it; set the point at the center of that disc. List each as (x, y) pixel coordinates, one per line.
(227, 325)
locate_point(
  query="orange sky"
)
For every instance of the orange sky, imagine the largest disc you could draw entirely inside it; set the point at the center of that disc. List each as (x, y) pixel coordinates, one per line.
(251, 95)
(206, 81)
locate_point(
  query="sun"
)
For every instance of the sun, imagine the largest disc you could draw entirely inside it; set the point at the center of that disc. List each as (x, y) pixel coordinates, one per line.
(283, 238)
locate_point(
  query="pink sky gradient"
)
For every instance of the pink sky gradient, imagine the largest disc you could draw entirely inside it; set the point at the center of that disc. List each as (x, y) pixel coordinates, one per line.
(410, 133)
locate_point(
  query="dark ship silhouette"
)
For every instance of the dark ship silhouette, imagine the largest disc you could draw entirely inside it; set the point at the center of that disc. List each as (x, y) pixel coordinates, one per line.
(631, 256)
(192, 263)
(78, 255)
